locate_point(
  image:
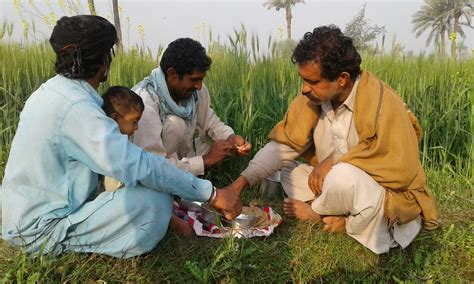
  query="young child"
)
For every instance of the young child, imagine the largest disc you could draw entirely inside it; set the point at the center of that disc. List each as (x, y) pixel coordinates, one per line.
(126, 107)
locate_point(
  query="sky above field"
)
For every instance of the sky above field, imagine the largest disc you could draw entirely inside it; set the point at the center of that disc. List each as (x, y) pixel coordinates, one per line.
(164, 21)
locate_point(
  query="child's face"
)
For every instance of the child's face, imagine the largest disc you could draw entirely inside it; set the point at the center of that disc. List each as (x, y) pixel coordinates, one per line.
(128, 123)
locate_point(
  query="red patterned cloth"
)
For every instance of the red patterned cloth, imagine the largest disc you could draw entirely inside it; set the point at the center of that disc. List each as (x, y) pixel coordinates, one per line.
(202, 228)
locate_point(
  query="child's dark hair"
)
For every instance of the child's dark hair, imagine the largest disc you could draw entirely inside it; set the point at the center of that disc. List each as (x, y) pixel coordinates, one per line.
(121, 100)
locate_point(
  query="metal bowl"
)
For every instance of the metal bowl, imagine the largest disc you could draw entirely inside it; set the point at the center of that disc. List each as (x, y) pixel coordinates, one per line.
(271, 186)
(211, 215)
(244, 221)
(194, 206)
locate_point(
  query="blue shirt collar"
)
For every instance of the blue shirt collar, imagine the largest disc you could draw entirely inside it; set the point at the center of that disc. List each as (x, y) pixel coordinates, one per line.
(87, 87)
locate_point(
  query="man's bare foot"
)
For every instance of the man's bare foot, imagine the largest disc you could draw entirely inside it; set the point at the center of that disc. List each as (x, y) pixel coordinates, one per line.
(334, 224)
(300, 210)
(180, 226)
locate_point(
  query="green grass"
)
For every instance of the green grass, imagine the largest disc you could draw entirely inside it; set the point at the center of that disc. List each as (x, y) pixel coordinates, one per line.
(296, 252)
(251, 93)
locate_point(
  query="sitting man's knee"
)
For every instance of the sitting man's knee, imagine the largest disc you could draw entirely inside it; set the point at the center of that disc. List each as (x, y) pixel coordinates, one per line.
(157, 202)
(152, 218)
(175, 124)
(146, 203)
(342, 175)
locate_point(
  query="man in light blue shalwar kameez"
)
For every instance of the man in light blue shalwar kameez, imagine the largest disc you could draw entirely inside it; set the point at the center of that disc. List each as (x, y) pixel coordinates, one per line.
(64, 140)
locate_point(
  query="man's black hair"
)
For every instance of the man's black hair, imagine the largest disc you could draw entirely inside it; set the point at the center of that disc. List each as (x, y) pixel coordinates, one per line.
(82, 44)
(185, 55)
(121, 100)
(334, 52)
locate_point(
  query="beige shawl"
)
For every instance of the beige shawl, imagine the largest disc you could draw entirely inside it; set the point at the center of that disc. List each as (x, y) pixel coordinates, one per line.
(387, 149)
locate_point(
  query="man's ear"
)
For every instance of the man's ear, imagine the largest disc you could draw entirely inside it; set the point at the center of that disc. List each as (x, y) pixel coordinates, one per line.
(344, 79)
(171, 74)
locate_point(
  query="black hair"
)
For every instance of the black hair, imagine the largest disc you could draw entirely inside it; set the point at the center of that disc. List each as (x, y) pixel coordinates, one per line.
(334, 52)
(185, 55)
(82, 44)
(121, 100)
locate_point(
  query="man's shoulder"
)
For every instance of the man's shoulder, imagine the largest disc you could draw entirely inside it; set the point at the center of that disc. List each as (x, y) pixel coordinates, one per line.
(70, 91)
(148, 99)
(203, 95)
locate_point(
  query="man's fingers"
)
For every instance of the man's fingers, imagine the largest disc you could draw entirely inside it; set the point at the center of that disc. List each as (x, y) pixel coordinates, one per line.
(229, 215)
(237, 140)
(313, 184)
(224, 142)
(242, 150)
(247, 148)
(223, 148)
(227, 147)
(228, 201)
(241, 153)
(319, 183)
(310, 184)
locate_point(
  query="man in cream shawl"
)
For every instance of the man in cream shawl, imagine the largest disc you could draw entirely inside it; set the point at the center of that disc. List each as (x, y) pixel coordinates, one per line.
(363, 175)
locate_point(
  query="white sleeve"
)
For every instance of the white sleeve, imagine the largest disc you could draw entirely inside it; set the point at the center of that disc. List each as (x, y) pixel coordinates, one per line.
(207, 119)
(194, 165)
(267, 161)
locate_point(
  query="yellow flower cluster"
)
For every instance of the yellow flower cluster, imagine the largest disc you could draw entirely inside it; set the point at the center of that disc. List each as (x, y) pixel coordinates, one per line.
(16, 4)
(453, 36)
(280, 33)
(50, 20)
(61, 4)
(141, 32)
(90, 6)
(26, 28)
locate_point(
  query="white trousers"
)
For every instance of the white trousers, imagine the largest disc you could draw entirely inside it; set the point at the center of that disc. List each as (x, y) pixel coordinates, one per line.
(348, 191)
(178, 138)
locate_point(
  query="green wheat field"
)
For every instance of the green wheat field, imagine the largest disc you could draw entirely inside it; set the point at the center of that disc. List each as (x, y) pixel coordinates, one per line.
(250, 88)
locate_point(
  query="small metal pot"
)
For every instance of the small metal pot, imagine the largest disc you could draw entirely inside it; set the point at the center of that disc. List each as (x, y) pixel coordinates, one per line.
(271, 186)
(211, 215)
(194, 206)
(244, 221)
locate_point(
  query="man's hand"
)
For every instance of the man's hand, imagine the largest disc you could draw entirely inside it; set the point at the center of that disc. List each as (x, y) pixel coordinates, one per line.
(316, 178)
(241, 146)
(219, 150)
(228, 201)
